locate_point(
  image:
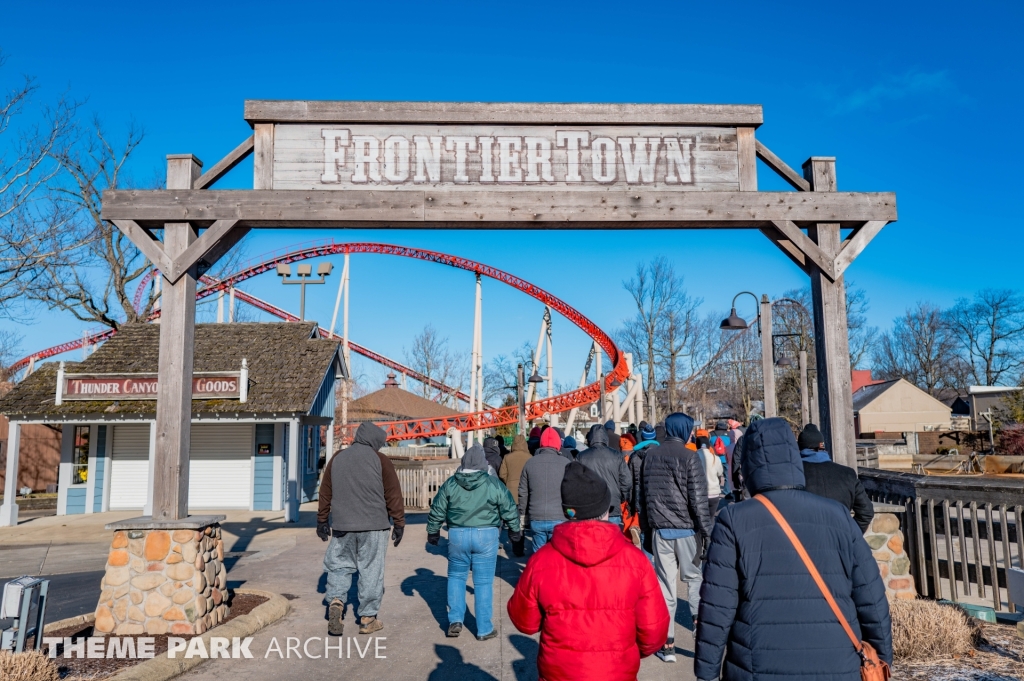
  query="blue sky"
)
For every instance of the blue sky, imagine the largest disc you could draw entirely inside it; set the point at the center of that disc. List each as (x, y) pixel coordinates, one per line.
(918, 98)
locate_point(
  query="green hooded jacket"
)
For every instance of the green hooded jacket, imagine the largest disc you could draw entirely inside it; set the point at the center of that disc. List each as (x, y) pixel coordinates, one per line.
(473, 499)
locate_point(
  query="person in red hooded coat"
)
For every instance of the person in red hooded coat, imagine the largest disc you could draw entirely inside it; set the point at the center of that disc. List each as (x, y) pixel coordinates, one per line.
(592, 594)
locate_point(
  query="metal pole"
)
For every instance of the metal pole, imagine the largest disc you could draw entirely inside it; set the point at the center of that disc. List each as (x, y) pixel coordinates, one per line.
(231, 305)
(521, 398)
(532, 390)
(220, 306)
(346, 383)
(768, 358)
(302, 299)
(804, 403)
(472, 358)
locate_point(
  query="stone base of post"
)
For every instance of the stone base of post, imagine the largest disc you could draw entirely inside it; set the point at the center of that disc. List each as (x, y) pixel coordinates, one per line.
(163, 577)
(886, 542)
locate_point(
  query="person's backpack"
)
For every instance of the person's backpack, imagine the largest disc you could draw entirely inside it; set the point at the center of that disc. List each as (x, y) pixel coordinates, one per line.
(718, 446)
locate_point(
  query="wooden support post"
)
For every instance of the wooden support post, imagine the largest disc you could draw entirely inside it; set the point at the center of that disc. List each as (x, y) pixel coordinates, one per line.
(805, 409)
(768, 359)
(831, 339)
(177, 346)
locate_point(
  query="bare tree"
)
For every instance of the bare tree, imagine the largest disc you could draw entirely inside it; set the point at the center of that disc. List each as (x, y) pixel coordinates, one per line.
(26, 166)
(96, 283)
(990, 331)
(500, 373)
(921, 348)
(10, 342)
(431, 356)
(675, 340)
(659, 297)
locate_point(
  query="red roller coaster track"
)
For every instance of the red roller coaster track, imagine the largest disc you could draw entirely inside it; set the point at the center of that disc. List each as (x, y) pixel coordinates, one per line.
(421, 428)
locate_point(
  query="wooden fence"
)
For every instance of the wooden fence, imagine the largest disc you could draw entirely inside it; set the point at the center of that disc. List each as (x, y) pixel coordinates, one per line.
(962, 533)
(420, 479)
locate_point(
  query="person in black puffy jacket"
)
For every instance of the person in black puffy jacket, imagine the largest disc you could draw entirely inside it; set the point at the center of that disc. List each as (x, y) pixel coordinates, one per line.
(675, 518)
(759, 606)
(610, 465)
(832, 480)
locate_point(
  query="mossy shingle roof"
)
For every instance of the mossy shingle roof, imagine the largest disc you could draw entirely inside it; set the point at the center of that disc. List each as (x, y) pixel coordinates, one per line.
(287, 365)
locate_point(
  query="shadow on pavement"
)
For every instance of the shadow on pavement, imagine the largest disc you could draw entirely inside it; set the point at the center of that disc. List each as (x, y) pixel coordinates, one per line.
(526, 668)
(452, 666)
(433, 589)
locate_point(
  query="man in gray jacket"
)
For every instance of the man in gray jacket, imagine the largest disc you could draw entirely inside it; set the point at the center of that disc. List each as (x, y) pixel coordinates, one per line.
(612, 468)
(359, 497)
(540, 488)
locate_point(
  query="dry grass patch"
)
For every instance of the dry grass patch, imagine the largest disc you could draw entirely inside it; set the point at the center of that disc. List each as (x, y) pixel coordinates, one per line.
(30, 666)
(926, 630)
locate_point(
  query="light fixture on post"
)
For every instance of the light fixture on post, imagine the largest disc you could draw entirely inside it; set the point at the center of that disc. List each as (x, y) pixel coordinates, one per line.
(304, 272)
(784, 361)
(536, 378)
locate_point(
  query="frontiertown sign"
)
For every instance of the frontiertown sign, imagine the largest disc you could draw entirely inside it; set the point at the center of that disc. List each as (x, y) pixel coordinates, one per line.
(358, 156)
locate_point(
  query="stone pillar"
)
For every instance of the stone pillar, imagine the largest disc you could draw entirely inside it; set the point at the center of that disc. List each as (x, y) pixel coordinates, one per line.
(886, 542)
(163, 579)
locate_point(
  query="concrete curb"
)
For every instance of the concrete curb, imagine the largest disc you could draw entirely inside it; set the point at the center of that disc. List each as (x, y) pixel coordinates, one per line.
(88, 618)
(162, 667)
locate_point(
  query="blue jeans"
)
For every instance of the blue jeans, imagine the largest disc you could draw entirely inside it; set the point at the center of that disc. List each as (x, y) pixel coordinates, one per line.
(542, 531)
(473, 548)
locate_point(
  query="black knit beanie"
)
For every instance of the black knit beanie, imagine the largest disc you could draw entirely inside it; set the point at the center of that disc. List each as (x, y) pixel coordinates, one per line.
(584, 494)
(810, 437)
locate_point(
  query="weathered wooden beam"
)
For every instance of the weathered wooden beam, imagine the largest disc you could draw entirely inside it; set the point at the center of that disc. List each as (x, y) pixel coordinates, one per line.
(831, 335)
(263, 161)
(227, 242)
(824, 261)
(856, 244)
(496, 209)
(504, 113)
(746, 147)
(150, 247)
(224, 166)
(198, 248)
(780, 167)
(786, 246)
(177, 352)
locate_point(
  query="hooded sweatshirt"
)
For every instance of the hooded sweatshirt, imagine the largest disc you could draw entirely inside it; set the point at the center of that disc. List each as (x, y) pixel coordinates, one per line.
(596, 602)
(610, 465)
(359, 490)
(760, 607)
(493, 452)
(512, 464)
(540, 485)
(472, 498)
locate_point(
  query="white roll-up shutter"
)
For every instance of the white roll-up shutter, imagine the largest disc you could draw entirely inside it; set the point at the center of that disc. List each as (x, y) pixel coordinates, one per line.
(220, 466)
(129, 468)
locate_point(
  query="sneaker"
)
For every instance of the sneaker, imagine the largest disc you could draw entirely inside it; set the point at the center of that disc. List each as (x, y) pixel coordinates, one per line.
(668, 653)
(487, 637)
(368, 625)
(454, 629)
(634, 536)
(335, 613)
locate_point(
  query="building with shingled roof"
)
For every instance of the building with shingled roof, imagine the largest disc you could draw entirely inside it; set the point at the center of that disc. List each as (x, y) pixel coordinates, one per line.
(261, 394)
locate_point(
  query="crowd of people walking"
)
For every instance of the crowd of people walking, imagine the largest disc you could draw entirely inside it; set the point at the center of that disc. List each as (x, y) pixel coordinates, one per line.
(762, 528)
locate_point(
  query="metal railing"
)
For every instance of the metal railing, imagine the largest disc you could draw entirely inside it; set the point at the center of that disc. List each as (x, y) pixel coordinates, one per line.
(961, 533)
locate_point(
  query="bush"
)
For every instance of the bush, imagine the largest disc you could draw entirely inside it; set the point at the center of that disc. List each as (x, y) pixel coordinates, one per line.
(926, 630)
(1011, 440)
(30, 666)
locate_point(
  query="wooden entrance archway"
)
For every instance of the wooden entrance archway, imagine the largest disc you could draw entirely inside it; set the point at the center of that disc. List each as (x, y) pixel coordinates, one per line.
(434, 165)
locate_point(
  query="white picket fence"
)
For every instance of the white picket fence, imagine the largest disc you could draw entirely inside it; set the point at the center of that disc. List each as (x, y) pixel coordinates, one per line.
(421, 480)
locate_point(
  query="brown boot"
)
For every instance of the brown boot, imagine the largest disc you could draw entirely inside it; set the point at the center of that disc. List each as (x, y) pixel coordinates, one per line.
(335, 613)
(368, 625)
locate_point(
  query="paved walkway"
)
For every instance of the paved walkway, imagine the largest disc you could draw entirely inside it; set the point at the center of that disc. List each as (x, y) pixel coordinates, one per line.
(266, 553)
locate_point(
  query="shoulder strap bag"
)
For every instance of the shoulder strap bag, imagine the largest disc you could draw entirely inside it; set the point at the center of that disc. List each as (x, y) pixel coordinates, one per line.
(871, 667)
